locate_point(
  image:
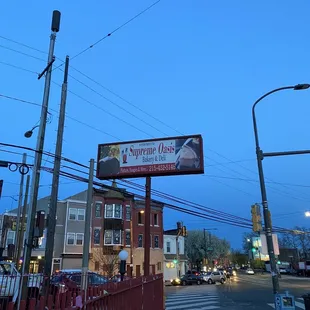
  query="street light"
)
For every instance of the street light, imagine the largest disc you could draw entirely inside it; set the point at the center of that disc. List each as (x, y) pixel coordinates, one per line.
(260, 155)
(307, 214)
(29, 133)
(123, 255)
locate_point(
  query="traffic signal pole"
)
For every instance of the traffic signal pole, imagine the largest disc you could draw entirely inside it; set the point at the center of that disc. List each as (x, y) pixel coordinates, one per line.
(260, 156)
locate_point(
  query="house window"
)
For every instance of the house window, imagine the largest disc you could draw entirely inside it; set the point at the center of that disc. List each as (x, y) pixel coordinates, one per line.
(79, 239)
(42, 240)
(151, 241)
(70, 239)
(127, 237)
(140, 218)
(168, 245)
(113, 237)
(97, 236)
(72, 214)
(155, 219)
(128, 213)
(156, 242)
(98, 209)
(140, 241)
(10, 237)
(81, 214)
(113, 211)
(159, 266)
(108, 211)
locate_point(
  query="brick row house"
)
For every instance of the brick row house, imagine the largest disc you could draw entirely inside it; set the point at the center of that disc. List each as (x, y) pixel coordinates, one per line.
(117, 223)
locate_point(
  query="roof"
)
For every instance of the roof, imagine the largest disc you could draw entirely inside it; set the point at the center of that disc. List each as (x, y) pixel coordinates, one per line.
(171, 232)
(154, 204)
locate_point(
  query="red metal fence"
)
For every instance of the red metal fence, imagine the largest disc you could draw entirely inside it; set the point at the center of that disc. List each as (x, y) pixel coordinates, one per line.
(133, 294)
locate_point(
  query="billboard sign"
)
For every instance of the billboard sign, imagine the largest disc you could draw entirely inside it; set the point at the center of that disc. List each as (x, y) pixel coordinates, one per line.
(155, 157)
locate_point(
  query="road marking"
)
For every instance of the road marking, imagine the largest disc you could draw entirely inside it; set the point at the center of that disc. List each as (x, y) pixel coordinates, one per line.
(300, 305)
(200, 306)
(271, 305)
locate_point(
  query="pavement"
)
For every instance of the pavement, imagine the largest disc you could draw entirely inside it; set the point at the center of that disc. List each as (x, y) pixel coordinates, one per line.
(243, 292)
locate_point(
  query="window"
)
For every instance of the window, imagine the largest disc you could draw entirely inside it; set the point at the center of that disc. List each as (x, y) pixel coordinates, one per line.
(113, 237)
(156, 242)
(79, 239)
(155, 219)
(168, 245)
(97, 236)
(127, 237)
(81, 214)
(159, 266)
(72, 214)
(10, 237)
(70, 239)
(114, 211)
(128, 213)
(42, 240)
(140, 218)
(98, 209)
(140, 241)
(151, 241)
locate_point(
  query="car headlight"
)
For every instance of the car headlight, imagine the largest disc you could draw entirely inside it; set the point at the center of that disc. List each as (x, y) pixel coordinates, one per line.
(177, 280)
(234, 273)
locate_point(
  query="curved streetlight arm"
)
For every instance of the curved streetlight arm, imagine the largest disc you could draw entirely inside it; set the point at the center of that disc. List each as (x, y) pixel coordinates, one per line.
(261, 98)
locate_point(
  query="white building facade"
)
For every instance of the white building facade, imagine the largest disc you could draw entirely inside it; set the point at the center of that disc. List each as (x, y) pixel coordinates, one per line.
(175, 260)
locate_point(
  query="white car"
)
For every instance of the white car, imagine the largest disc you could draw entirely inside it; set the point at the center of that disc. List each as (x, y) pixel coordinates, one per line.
(249, 271)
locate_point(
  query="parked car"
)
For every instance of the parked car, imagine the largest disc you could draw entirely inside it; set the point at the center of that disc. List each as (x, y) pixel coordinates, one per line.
(249, 271)
(213, 277)
(188, 279)
(67, 279)
(117, 278)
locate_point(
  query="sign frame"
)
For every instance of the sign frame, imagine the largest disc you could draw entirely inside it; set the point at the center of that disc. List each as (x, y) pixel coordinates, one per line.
(199, 170)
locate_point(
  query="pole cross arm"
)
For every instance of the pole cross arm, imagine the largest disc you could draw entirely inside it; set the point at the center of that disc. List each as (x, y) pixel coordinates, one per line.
(273, 154)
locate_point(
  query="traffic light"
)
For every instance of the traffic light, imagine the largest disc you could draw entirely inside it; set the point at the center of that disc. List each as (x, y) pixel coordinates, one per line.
(253, 250)
(175, 261)
(256, 218)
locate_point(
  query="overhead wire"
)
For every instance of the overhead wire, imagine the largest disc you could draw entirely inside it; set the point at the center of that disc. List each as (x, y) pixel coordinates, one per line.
(273, 189)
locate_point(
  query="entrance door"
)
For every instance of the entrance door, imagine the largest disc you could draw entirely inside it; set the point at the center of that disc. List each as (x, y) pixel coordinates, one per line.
(138, 271)
(153, 269)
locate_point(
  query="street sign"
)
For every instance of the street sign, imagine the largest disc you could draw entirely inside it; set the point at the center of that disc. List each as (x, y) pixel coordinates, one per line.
(284, 302)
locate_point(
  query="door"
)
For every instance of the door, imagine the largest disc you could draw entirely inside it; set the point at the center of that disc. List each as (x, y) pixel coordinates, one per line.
(129, 271)
(138, 271)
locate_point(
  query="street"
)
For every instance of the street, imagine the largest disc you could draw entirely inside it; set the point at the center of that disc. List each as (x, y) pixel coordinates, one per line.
(238, 293)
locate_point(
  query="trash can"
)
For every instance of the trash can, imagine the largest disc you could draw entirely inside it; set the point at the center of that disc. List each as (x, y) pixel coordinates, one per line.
(306, 301)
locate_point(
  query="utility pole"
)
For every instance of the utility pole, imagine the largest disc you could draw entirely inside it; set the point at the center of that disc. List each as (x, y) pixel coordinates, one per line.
(20, 245)
(51, 217)
(39, 148)
(19, 209)
(205, 243)
(22, 223)
(147, 228)
(86, 243)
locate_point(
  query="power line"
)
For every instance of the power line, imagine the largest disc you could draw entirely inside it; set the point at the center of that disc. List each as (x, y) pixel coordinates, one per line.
(18, 67)
(118, 105)
(273, 189)
(24, 45)
(22, 53)
(115, 30)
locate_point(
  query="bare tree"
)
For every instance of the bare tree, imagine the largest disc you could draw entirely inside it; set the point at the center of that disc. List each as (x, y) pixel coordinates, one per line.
(107, 259)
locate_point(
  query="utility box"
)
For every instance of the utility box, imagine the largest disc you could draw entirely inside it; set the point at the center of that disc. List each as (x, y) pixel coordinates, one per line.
(284, 302)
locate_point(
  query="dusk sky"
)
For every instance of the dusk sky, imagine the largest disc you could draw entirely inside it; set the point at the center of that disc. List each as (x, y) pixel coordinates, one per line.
(182, 67)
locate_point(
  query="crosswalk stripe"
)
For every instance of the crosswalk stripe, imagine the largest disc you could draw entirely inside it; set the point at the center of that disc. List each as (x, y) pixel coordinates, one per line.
(196, 305)
(271, 305)
(300, 305)
(190, 297)
(175, 300)
(181, 302)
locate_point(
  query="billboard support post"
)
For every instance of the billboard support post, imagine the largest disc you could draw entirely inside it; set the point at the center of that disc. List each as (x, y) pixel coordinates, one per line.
(147, 226)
